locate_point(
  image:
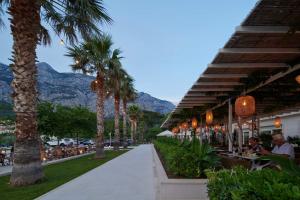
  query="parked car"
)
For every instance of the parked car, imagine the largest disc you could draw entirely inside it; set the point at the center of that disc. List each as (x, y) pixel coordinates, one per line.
(62, 142)
(66, 142)
(52, 142)
(87, 142)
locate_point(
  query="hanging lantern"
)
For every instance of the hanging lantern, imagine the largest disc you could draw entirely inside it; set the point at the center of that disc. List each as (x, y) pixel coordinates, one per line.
(245, 106)
(185, 125)
(277, 122)
(179, 127)
(175, 130)
(194, 123)
(298, 78)
(209, 117)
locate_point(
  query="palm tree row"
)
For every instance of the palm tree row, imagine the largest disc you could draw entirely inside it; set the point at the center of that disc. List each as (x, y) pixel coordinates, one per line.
(95, 56)
(69, 18)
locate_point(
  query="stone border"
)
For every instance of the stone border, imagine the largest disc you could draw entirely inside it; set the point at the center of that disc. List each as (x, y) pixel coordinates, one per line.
(54, 161)
(177, 189)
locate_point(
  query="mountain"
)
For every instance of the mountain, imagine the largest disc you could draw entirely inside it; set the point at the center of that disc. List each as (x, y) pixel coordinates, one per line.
(71, 89)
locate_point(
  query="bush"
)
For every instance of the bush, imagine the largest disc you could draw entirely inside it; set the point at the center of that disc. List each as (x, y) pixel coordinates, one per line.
(239, 183)
(186, 159)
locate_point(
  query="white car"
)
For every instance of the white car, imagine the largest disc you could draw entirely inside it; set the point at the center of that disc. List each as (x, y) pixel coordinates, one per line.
(66, 141)
(62, 142)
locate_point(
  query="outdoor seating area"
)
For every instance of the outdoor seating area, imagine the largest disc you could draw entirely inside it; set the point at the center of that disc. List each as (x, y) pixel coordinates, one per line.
(254, 76)
(59, 152)
(246, 103)
(48, 153)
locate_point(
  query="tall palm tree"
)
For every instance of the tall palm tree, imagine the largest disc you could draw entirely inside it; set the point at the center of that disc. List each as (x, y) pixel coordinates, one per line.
(128, 93)
(134, 113)
(116, 73)
(93, 57)
(66, 17)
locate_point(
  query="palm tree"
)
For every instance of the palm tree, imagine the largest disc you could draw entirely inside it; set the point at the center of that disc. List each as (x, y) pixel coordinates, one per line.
(115, 74)
(66, 17)
(134, 113)
(93, 57)
(128, 93)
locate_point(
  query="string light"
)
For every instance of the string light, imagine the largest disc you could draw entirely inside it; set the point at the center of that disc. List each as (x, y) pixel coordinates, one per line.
(62, 42)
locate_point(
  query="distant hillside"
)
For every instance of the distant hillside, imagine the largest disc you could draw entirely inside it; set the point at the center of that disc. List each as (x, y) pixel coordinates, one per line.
(72, 89)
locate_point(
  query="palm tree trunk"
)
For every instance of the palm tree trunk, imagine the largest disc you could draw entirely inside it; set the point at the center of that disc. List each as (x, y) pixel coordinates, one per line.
(25, 24)
(117, 124)
(124, 124)
(135, 131)
(131, 130)
(100, 117)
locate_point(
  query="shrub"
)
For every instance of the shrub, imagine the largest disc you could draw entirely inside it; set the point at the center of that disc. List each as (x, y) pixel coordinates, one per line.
(187, 158)
(239, 183)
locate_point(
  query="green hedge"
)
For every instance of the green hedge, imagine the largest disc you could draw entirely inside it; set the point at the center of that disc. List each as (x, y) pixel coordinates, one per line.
(187, 159)
(239, 183)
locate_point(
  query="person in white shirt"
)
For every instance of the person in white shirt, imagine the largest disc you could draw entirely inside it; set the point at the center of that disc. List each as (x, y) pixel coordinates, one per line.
(281, 147)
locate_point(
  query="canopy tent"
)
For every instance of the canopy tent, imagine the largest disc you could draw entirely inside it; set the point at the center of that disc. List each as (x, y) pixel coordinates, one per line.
(166, 133)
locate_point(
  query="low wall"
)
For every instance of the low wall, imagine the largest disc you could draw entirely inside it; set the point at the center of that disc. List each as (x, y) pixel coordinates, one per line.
(177, 189)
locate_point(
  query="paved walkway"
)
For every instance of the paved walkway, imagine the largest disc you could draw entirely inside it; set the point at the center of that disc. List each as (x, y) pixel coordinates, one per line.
(127, 177)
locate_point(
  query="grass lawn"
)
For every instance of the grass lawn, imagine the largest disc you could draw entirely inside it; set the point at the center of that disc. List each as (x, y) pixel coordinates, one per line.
(55, 175)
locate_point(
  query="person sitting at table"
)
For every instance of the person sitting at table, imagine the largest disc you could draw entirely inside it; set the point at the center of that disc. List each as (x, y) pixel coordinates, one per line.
(254, 146)
(281, 147)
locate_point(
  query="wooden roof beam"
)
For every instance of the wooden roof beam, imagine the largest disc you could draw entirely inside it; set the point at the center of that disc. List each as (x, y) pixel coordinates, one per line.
(214, 76)
(259, 51)
(263, 29)
(213, 89)
(247, 65)
(200, 98)
(204, 94)
(218, 83)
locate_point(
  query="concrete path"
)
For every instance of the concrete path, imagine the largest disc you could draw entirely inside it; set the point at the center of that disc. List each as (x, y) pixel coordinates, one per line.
(127, 177)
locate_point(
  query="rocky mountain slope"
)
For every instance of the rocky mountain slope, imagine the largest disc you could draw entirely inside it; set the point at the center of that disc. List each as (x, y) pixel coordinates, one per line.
(72, 89)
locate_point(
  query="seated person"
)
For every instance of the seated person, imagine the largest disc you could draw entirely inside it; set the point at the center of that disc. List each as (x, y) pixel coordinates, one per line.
(254, 146)
(281, 147)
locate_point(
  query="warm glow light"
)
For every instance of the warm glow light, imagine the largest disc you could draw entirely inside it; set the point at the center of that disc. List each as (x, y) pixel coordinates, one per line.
(298, 78)
(185, 125)
(175, 130)
(77, 61)
(245, 106)
(44, 159)
(80, 151)
(209, 117)
(194, 123)
(277, 122)
(96, 81)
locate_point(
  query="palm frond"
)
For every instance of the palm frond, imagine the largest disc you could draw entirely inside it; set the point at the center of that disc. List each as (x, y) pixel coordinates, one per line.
(73, 18)
(3, 5)
(44, 36)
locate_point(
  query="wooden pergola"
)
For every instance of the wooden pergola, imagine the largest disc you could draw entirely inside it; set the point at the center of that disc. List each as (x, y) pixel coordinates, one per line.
(261, 58)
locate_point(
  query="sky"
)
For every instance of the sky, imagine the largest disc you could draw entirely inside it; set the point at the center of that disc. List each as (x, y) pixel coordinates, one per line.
(166, 44)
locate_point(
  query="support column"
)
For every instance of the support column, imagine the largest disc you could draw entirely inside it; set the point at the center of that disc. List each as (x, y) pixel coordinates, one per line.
(230, 138)
(240, 135)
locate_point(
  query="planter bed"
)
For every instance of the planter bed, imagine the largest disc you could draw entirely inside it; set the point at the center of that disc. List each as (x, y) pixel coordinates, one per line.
(170, 187)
